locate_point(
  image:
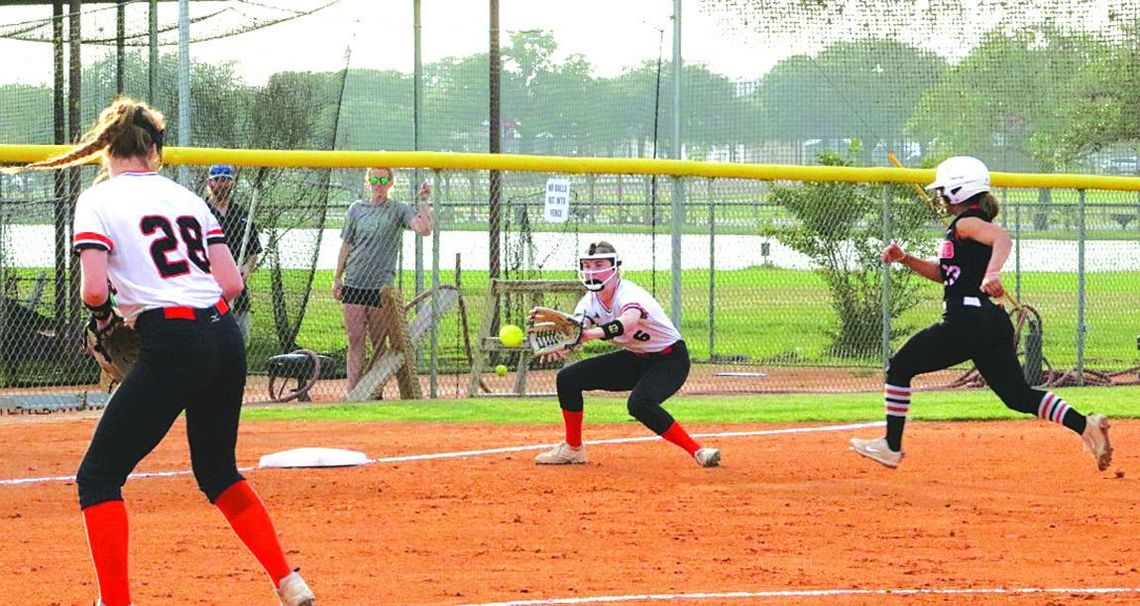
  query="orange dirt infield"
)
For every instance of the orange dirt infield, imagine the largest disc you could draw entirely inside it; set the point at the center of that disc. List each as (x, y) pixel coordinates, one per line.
(975, 505)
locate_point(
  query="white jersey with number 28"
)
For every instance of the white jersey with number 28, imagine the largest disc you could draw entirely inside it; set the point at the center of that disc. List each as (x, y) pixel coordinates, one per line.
(156, 234)
(654, 333)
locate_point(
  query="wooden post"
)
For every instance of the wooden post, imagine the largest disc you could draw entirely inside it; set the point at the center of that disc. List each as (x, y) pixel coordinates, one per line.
(488, 342)
(392, 308)
(489, 313)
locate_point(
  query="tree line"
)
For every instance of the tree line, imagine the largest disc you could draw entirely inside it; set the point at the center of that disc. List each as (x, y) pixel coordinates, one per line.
(1038, 99)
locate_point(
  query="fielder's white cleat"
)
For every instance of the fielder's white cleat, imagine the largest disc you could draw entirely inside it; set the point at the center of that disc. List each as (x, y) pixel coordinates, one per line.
(293, 591)
(1096, 440)
(563, 454)
(707, 457)
(877, 450)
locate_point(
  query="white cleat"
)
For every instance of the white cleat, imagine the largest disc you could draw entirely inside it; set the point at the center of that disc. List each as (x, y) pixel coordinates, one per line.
(1096, 440)
(877, 450)
(707, 457)
(563, 454)
(293, 591)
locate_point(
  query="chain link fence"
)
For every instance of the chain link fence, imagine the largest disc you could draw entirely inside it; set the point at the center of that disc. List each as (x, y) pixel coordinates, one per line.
(780, 284)
(774, 283)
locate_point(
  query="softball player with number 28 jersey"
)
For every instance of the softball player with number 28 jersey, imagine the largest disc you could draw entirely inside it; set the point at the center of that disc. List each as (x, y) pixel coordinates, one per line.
(164, 253)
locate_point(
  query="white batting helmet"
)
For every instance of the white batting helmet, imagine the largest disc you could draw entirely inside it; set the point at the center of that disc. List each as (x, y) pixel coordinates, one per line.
(961, 178)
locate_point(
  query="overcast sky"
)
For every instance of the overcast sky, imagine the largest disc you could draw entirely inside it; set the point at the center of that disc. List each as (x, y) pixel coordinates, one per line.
(612, 34)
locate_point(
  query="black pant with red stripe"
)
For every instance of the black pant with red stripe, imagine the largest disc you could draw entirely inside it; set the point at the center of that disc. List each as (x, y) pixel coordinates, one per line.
(197, 365)
(650, 378)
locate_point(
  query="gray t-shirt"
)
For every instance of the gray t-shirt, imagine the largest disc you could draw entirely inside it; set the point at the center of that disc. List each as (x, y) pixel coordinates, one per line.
(375, 232)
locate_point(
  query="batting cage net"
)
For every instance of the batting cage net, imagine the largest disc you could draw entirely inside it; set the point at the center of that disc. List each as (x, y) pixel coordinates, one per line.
(777, 285)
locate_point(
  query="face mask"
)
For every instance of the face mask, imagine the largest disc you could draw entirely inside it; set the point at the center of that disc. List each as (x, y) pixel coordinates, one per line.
(587, 276)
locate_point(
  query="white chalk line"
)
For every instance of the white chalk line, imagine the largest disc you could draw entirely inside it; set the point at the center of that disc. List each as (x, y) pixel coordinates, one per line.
(482, 452)
(816, 593)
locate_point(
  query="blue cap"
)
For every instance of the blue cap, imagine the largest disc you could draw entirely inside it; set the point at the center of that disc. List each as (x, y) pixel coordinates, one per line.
(221, 171)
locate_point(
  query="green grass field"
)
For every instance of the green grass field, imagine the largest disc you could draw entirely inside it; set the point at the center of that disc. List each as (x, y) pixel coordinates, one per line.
(763, 316)
(768, 315)
(960, 405)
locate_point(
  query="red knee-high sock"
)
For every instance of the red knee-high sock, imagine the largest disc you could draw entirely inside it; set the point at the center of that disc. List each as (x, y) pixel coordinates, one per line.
(108, 536)
(677, 435)
(250, 520)
(573, 422)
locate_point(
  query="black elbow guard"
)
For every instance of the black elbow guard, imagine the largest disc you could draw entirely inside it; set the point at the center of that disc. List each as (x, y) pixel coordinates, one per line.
(612, 329)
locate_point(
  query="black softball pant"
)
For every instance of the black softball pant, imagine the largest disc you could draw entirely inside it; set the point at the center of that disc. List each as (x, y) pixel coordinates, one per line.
(651, 379)
(193, 365)
(983, 335)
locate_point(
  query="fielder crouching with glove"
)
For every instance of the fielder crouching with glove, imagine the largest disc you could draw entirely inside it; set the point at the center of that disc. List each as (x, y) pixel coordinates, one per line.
(652, 364)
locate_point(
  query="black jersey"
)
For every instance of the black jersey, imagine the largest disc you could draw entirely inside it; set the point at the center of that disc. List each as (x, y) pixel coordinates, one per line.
(963, 262)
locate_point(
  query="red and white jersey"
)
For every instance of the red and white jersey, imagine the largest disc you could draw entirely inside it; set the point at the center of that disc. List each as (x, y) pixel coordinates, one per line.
(654, 333)
(157, 234)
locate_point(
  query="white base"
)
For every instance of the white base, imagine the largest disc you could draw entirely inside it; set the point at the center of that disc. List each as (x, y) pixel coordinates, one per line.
(314, 457)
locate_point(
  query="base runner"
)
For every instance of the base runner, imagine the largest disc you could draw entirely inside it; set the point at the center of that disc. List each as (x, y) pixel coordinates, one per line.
(972, 327)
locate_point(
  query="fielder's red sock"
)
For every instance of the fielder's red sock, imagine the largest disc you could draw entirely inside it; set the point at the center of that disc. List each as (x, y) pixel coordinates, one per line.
(677, 435)
(108, 536)
(250, 520)
(573, 420)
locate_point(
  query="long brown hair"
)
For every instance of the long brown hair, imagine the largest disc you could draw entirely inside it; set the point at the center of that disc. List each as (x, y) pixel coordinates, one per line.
(124, 129)
(988, 202)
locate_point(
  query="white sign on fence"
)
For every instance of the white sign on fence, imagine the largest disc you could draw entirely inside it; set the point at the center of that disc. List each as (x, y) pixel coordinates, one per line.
(557, 200)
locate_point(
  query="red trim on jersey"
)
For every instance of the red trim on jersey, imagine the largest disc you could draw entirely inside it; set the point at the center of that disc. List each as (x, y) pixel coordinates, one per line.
(634, 305)
(90, 236)
(645, 354)
(214, 232)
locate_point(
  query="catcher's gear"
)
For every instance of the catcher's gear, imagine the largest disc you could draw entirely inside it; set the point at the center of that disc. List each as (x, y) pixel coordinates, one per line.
(115, 347)
(588, 276)
(550, 330)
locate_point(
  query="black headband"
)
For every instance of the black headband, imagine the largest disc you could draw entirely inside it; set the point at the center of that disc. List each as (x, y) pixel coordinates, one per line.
(140, 120)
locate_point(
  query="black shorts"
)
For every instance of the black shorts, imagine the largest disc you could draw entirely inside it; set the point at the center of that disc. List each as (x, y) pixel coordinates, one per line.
(360, 296)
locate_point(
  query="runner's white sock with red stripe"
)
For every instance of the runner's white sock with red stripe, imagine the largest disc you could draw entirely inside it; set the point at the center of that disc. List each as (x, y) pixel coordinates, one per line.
(1053, 408)
(896, 400)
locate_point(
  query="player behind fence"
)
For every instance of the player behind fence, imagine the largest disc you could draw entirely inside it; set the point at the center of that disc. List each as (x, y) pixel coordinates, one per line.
(972, 328)
(166, 257)
(653, 362)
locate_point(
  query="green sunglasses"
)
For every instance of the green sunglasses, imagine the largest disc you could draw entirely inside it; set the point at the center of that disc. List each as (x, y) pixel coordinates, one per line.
(373, 179)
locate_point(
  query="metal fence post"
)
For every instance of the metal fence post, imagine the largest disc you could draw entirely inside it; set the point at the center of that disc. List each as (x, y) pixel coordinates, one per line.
(886, 290)
(1016, 242)
(678, 226)
(433, 384)
(712, 271)
(1081, 327)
